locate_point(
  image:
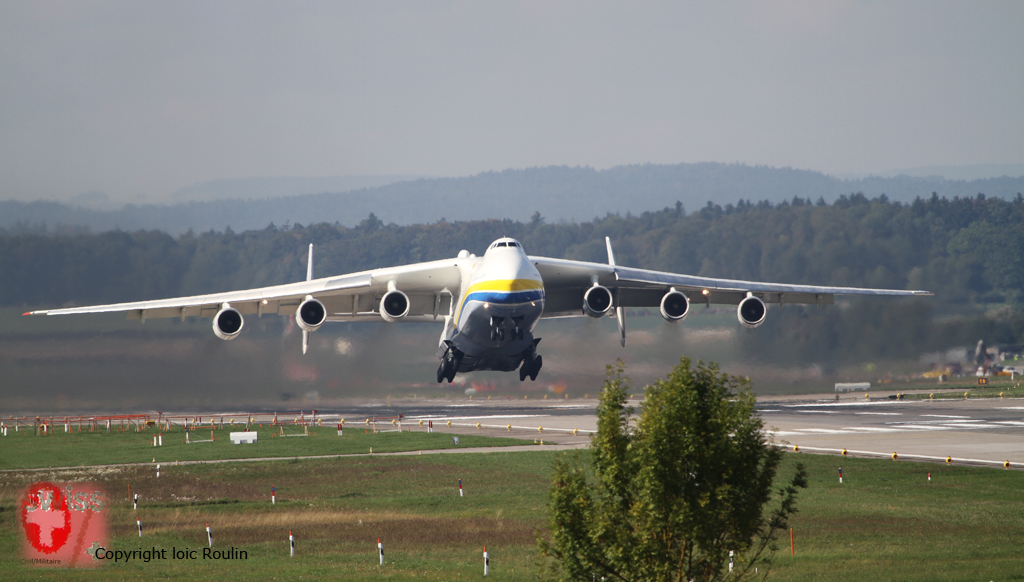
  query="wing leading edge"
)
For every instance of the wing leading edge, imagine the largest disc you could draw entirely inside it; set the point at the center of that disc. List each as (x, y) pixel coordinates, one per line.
(565, 282)
(346, 297)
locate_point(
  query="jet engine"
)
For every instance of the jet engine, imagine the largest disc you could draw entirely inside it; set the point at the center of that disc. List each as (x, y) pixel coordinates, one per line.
(675, 306)
(227, 323)
(310, 315)
(751, 311)
(597, 301)
(394, 306)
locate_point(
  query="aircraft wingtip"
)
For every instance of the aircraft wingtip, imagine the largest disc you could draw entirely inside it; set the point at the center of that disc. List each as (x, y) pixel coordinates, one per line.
(26, 313)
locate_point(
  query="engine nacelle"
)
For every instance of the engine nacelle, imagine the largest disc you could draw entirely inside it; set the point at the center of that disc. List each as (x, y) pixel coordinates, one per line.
(751, 311)
(310, 315)
(394, 306)
(675, 306)
(227, 323)
(597, 301)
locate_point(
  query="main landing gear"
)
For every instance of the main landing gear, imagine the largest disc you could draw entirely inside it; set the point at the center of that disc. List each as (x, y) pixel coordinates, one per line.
(449, 364)
(532, 363)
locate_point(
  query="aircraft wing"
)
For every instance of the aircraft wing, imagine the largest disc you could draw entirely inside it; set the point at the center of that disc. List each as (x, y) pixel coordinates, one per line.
(565, 281)
(350, 297)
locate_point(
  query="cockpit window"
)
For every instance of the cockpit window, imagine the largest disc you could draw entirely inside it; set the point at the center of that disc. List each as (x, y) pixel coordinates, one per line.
(502, 244)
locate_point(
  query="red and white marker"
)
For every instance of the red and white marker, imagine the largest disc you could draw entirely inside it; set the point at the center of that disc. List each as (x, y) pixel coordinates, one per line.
(291, 542)
(209, 534)
(138, 522)
(273, 496)
(929, 477)
(460, 488)
(380, 550)
(487, 562)
(160, 440)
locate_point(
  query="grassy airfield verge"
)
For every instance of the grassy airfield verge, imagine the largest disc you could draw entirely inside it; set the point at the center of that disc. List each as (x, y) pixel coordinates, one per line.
(886, 521)
(25, 450)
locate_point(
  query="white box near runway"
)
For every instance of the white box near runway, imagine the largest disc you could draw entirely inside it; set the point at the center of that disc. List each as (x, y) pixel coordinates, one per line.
(243, 438)
(853, 386)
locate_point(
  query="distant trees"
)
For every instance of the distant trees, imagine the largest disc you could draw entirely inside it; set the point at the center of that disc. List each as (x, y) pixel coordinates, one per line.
(969, 251)
(674, 496)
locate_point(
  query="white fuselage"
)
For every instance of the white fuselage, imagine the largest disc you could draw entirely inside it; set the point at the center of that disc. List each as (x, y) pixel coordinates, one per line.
(501, 300)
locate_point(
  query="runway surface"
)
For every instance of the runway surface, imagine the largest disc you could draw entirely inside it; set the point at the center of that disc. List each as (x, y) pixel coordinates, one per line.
(979, 431)
(989, 430)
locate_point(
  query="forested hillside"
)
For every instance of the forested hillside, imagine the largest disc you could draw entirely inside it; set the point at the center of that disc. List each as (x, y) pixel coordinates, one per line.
(560, 193)
(969, 251)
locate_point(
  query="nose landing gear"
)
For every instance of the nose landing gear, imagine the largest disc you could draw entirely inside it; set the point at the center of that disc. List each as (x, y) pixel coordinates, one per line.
(497, 328)
(499, 325)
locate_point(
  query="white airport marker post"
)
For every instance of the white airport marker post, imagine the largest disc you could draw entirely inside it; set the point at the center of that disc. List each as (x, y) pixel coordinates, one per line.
(158, 471)
(135, 502)
(138, 522)
(209, 534)
(380, 550)
(291, 542)
(929, 477)
(460, 488)
(730, 560)
(487, 562)
(160, 440)
(840, 475)
(273, 496)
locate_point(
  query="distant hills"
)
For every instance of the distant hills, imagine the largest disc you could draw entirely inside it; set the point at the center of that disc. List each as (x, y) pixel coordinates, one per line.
(559, 193)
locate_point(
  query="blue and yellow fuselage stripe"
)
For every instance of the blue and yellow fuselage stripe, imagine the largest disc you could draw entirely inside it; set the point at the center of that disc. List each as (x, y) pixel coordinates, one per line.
(503, 292)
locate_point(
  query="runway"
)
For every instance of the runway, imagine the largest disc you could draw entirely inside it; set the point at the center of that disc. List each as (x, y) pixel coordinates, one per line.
(979, 431)
(990, 429)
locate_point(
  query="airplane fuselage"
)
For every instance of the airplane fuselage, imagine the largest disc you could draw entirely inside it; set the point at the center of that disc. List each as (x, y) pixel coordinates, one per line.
(501, 300)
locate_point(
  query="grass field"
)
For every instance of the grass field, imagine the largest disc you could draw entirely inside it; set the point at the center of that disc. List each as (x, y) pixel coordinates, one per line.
(25, 450)
(886, 522)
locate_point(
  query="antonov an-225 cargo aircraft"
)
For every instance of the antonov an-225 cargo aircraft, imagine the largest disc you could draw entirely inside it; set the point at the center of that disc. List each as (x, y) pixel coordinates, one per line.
(489, 304)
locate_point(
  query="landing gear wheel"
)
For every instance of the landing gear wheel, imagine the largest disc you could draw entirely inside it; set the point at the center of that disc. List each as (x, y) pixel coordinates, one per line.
(449, 365)
(535, 368)
(531, 367)
(453, 367)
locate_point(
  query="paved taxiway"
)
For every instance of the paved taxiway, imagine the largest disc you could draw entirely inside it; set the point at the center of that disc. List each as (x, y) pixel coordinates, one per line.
(989, 430)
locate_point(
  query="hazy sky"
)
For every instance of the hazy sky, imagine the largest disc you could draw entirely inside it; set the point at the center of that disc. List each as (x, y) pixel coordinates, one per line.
(142, 98)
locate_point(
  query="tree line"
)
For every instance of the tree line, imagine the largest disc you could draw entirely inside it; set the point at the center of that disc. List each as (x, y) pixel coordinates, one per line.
(968, 250)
